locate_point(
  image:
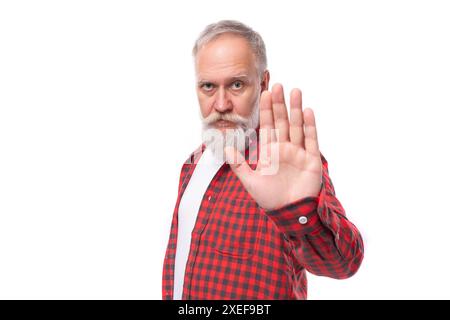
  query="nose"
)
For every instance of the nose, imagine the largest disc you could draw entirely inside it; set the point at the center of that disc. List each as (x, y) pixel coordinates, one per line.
(222, 103)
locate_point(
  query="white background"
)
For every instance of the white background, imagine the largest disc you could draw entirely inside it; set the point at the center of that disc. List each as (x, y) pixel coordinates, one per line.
(98, 112)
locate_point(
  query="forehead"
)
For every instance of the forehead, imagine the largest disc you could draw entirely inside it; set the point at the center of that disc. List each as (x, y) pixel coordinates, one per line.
(226, 56)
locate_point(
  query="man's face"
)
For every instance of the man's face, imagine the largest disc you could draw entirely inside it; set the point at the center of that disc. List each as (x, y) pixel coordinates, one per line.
(228, 85)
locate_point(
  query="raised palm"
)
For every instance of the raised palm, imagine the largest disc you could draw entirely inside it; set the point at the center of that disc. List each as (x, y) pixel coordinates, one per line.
(298, 171)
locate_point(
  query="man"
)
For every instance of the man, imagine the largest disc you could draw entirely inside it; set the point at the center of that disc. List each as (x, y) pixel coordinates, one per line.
(246, 224)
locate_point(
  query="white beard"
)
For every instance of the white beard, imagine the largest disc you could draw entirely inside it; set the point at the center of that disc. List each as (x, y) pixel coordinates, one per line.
(217, 140)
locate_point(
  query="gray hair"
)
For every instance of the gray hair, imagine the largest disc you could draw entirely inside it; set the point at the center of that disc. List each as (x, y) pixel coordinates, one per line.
(253, 38)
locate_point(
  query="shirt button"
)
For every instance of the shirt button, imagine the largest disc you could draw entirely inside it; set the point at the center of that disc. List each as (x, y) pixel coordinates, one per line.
(209, 198)
(303, 220)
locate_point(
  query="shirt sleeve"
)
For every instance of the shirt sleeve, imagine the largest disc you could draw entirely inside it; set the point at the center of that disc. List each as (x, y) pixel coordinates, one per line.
(321, 237)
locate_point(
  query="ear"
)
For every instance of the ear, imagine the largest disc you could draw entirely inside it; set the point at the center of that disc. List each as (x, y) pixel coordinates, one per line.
(265, 81)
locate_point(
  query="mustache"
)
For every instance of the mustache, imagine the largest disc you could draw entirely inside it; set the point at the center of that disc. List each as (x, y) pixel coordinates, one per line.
(231, 117)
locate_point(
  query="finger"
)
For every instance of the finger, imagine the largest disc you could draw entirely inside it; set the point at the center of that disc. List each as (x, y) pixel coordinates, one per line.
(280, 114)
(296, 132)
(311, 141)
(239, 166)
(266, 124)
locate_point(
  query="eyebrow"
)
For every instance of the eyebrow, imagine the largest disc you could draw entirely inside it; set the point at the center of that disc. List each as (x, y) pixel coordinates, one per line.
(233, 78)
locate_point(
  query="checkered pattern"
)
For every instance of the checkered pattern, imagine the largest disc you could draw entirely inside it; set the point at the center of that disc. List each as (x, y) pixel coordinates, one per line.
(241, 251)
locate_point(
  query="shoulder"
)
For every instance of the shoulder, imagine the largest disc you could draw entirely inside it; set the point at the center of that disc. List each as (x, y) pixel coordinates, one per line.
(195, 155)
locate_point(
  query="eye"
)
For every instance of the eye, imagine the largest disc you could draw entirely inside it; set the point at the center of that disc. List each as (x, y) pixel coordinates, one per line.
(207, 86)
(237, 85)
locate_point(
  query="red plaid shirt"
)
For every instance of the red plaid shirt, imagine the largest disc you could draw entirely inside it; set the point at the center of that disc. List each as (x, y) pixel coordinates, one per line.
(241, 251)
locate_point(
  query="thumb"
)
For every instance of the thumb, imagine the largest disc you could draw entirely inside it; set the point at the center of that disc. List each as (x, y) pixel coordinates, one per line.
(238, 164)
